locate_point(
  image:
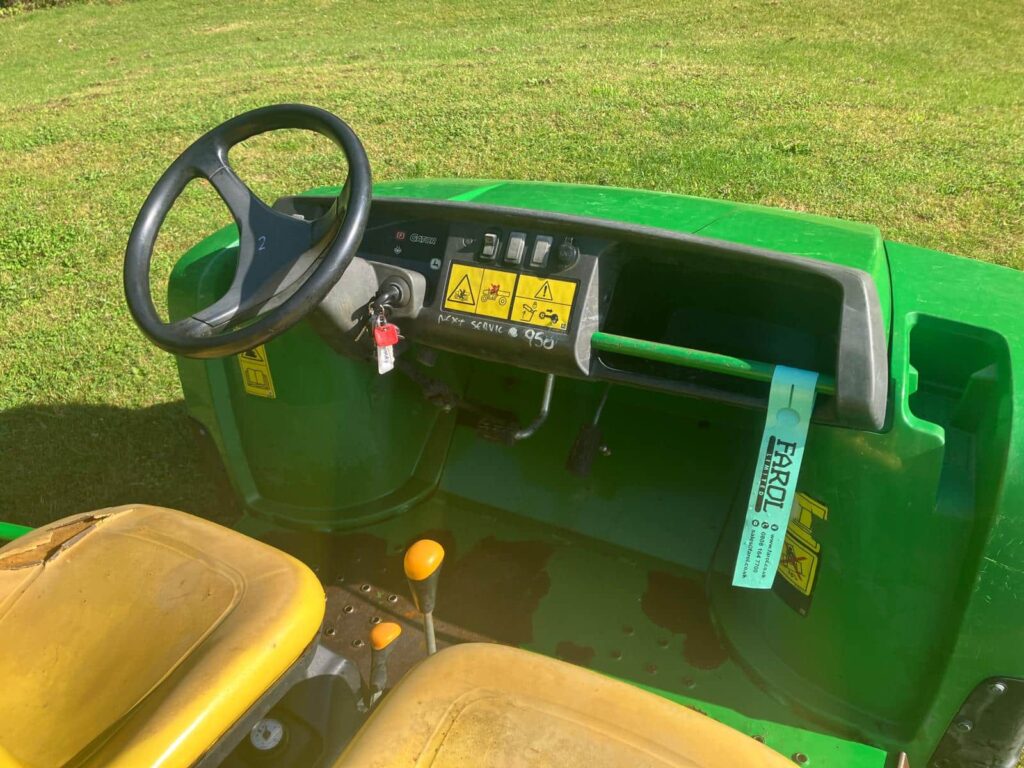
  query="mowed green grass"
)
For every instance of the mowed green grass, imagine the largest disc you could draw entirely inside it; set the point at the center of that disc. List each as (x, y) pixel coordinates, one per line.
(907, 115)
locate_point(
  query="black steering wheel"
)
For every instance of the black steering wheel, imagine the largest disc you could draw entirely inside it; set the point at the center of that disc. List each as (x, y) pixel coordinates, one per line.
(286, 264)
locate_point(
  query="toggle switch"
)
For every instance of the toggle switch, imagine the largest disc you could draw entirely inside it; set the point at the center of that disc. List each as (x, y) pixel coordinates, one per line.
(516, 248)
(541, 251)
(489, 249)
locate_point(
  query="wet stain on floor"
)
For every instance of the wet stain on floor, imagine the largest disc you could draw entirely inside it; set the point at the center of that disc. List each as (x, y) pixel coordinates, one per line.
(496, 588)
(680, 606)
(581, 655)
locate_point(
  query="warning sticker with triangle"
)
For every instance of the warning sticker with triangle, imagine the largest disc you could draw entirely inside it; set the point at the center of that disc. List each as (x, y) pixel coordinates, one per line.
(544, 302)
(259, 354)
(480, 291)
(545, 292)
(462, 293)
(255, 368)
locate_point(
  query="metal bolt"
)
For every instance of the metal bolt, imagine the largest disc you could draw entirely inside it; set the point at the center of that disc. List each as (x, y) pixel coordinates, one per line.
(331, 631)
(375, 620)
(357, 643)
(627, 630)
(997, 688)
(349, 609)
(801, 759)
(616, 654)
(341, 578)
(689, 683)
(392, 598)
(365, 588)
(604, 450)
(651, 669)
(964, 725)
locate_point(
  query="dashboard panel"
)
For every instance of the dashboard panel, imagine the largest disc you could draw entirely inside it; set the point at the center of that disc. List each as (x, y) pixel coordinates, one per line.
(532, 289)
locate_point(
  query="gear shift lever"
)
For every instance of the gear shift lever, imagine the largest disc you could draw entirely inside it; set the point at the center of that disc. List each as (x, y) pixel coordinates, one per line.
(422, 568)
(382, 640)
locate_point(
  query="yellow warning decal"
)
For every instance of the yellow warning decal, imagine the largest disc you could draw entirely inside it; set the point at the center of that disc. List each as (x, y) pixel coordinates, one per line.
(543, 301)
(799, 565)
(806, 510)
(480, 291)
(256, 376)
(801, 553)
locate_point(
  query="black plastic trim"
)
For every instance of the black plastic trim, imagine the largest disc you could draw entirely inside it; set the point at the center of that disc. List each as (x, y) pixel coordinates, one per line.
(988, 731)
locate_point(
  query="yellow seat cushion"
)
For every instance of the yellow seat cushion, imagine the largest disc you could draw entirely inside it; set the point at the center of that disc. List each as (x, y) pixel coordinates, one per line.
(491, 706)
(136, 636)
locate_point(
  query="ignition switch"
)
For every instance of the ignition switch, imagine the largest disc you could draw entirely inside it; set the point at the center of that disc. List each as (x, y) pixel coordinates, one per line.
(395, 293)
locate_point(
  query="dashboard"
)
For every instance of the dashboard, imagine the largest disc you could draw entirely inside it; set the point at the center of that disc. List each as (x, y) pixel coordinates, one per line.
(532, 289)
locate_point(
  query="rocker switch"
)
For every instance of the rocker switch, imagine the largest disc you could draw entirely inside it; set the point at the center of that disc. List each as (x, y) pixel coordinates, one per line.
(541, 249)
(490, 246)
(516, 248)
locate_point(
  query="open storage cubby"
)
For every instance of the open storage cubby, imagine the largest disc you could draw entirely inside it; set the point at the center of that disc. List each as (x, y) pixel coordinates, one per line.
(963, 385)
(745, 310)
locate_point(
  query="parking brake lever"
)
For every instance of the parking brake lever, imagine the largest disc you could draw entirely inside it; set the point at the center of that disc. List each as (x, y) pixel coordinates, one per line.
(588, 442)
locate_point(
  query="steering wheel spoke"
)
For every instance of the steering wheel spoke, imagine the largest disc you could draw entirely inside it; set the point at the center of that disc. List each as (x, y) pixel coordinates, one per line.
(274, 250)
(286, 263)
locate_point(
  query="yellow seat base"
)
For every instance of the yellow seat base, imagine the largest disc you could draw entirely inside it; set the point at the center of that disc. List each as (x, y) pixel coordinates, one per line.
(490, 706)
(137, 636)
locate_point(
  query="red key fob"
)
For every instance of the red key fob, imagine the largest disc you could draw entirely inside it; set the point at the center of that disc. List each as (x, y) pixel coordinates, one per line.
(385, 335)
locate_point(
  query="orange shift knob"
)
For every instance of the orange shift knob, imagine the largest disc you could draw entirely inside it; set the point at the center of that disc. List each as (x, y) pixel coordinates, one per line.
(422, 559)
(383, 635)
(422, 566)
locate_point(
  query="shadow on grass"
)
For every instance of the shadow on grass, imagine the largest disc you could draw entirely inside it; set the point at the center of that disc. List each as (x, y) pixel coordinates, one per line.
(62, 459)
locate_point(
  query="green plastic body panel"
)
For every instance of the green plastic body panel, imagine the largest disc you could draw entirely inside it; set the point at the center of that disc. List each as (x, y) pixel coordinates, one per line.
(11, 531)
(916, 598)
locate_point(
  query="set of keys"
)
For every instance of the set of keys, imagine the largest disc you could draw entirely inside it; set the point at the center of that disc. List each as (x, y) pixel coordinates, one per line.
(385, 337)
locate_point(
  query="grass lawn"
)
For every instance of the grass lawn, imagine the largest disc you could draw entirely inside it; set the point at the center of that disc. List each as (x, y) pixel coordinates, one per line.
(907, 115)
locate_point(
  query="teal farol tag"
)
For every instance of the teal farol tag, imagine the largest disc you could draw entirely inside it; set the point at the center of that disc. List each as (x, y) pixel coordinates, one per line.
(790, 404)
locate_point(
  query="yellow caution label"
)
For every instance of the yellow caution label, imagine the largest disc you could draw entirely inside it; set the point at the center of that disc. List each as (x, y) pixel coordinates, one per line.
(480, 291)
(543, 301)
(799, 565)
(801, 552)
(807, 509)
(256, 376)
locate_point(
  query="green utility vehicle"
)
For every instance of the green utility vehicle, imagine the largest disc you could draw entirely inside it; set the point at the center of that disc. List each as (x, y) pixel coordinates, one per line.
(674, 482)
